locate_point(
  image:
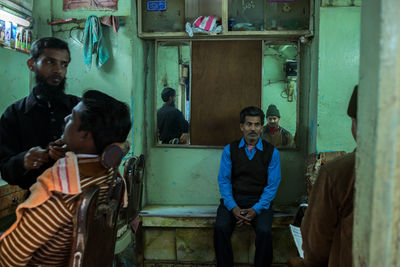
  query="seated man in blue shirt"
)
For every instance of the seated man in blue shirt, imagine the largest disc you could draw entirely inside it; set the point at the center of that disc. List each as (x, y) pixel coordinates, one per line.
(248, 179)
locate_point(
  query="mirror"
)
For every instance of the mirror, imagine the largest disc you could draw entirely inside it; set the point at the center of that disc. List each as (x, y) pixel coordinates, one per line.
(172, 92)
(279, 91)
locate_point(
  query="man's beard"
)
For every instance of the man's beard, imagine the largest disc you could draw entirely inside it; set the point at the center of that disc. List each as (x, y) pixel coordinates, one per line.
(46, 91)
(273, 125)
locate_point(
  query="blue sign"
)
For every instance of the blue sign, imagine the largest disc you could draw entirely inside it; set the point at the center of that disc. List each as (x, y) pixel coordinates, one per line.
(157, 5)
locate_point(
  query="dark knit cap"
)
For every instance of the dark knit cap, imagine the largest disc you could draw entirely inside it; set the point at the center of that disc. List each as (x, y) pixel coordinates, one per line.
(273, 111)
(352, 109)
(166, 93)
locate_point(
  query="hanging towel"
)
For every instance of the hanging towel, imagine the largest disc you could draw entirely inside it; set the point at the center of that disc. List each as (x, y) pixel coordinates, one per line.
(93, 42)
(111, 21)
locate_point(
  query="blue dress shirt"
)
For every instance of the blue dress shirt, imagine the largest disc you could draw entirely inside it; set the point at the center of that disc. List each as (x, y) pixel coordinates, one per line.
(225, 175)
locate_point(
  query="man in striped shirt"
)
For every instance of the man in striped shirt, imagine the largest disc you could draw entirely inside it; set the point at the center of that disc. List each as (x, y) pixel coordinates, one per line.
(42, 234)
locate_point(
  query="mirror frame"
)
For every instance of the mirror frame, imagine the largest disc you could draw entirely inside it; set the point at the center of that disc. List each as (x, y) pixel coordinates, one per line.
(265, 41)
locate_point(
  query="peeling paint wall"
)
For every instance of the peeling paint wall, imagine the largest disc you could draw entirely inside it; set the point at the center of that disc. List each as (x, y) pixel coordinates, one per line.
(14, 77)
(377, 190)
(189, 175)
(121, 76)
(339, 55)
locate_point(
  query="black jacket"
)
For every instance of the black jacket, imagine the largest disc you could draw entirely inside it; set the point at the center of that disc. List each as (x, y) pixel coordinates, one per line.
(25, 124)
(171, 123)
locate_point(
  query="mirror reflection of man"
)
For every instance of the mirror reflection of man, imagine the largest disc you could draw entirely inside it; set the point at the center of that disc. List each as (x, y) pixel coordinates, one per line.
(172, 126)
(30, 128)
(248, 179)
(273, 133)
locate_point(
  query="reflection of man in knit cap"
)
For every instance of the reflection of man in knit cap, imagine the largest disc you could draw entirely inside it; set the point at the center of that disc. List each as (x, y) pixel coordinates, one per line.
(172, 126)
(327, 227)
(273, 133)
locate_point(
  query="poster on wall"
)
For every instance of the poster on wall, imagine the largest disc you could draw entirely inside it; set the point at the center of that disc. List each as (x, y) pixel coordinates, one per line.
(13, 34)
(18, 38)
(2, 31)
(90, 4)
(7, 37)
(28, 35)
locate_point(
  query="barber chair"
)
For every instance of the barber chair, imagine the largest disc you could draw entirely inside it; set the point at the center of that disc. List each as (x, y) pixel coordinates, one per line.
(128, 220)
(95, 228)
(133, 174)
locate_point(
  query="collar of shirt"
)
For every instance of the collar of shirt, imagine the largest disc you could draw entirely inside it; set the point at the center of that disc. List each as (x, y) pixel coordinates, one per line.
(250, 154)
(259, 144)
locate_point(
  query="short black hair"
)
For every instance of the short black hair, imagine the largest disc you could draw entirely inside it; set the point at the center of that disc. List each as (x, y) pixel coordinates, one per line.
(106, 118)
(252, 112)
(40, 45)
(166, 93)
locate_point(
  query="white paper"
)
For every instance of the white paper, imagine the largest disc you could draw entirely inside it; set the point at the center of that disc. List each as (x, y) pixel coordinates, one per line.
(298, 240)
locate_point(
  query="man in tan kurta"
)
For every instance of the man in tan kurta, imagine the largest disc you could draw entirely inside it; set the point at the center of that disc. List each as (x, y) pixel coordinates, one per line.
(327, 227)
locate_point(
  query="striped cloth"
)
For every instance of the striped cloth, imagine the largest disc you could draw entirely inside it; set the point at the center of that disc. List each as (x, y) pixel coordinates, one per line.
(42, 235)
(206, 23)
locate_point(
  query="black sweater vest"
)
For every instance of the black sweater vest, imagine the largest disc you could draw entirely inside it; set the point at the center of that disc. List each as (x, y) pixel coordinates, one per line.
(249, 177)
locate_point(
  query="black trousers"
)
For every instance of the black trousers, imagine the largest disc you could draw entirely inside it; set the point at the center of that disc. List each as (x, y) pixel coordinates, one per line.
(225, 224)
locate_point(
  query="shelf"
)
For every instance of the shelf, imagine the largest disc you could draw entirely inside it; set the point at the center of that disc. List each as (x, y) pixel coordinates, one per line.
(230, 34)
(17, 50)
(264, 18)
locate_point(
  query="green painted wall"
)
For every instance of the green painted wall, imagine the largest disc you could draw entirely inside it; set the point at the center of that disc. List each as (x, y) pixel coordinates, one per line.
(14, 77)
(189, 175)
(177, 175)
(339, 54)
(121, 76)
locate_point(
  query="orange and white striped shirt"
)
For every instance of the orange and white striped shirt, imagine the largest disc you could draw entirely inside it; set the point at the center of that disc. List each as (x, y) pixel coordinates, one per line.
(43, 235)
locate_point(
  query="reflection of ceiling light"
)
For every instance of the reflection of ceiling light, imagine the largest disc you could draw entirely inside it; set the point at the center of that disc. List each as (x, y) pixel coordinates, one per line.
(14, 19)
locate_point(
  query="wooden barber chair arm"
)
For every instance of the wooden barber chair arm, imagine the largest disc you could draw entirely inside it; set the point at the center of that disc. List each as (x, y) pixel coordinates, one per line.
(94, 236)
(134, 174)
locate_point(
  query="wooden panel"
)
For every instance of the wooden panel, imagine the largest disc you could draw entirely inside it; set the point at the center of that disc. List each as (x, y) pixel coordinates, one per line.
(226, 77)
(10, 198)
(8, 189)
(196, 8)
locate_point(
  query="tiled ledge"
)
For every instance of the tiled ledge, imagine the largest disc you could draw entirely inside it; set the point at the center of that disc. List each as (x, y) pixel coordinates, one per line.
(196, 216)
